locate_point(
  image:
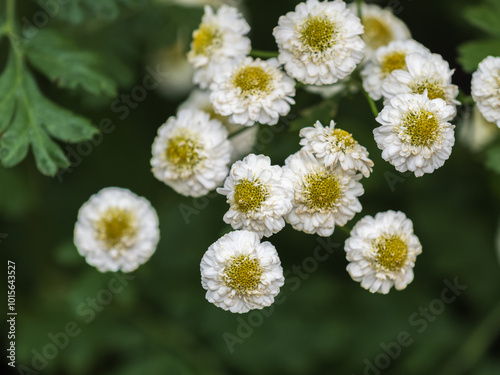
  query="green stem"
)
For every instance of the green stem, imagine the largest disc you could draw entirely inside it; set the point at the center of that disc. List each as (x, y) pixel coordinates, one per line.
(358, 7)
(344, 229)
(239, 131)
(263, 54)
(9, 14)
(475, 346)
(372, 104)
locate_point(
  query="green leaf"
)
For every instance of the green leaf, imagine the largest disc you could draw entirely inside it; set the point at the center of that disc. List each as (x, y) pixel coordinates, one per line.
(485, 16)
(323, 112)
(27, 118)
(78, 11)
(493, 158)
(472, 53)
(64, 62)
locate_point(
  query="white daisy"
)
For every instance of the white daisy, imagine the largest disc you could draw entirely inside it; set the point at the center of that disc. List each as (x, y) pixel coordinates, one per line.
(240, 273)
(258, 201)
(382, 251)
(241, 140)
(486, 88)
(116, 230)
(253, 91)
(381, 27)
(384, 61)
(319, 42)
(423, 72)
(191, 153)
(415, 134)
(218, 41)
(335, 146)
(323, 196)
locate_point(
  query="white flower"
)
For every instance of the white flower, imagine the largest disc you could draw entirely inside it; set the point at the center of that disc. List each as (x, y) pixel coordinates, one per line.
(423, 72)
(253, 91)
(116, 230)
(319, 42)
(414, 133)
(240, 273)
(218, 41)
(381, 27)
(384, 61)
(191, 153)
(335, 146)
(382, 251)
(258, 201)
(323, 196)
(242, 140)
(486, 88)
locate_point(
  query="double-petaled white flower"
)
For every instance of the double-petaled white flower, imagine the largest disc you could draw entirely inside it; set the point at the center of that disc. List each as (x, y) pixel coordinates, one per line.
(240, 273)
(428, 72)
(257, 198)
(253, 91)
(319, 43)
(116, 230)
(382, 251)
(335, 146)
(323, 196)
(415, 134)
(219, 40)
(486, 88)
(384, 61)
(191, 153)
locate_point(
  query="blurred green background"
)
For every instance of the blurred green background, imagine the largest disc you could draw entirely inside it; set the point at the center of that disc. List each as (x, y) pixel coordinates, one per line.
(159, 322)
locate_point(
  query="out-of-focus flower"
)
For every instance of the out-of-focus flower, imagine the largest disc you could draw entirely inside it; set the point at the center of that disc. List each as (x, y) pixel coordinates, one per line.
(475, 132)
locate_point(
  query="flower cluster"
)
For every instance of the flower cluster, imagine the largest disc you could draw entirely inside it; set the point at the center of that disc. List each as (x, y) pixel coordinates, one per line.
(207, 145)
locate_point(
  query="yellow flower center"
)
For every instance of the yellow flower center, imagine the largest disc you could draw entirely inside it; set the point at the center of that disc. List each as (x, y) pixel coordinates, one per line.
(206, 39)
(377, 32)
(249, 195)
(342, 139)
(183, 152)
(392, 252)
(116, 228)
(322, 190)
(243, 274)
(421, 127)
(318, 33)
(434, 91)
(252, 80)
(393, 61)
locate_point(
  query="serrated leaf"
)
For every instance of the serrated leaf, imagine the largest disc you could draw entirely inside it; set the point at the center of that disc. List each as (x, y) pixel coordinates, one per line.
(472, 53)
(322, 112)
(31, 119)
(493, 158)
(64, 62)
(485, 17)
